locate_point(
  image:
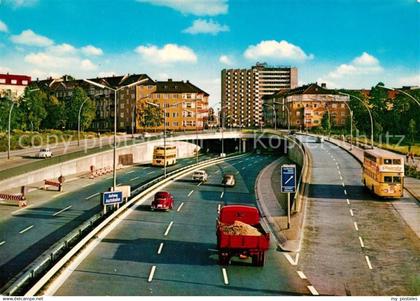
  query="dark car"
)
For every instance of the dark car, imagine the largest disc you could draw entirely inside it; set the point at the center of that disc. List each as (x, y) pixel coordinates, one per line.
(229, 180)
(162, 201)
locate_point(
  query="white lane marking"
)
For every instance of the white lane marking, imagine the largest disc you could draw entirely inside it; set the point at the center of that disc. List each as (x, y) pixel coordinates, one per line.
(221, 195)
(190, 192)
(131, 171)
(237, 172)
(109, 178)
(217, 171)
(348, 201)
(2, 242)
(180, 206)
(361, 242)
(338, 168)
(351, 212)
(88, 184)
(243, 167)
(133, 179)
(92, 196)
(218, 208)
(60, 194)
(355, 226)
(345, 192)
(290, 259)
(62, 210)
(368, 262)
(313, 290)
(199, 184)
(152, 273)
(301, 275)
(150, 172)
(146, 167)
(26, 229)
(343, 184)
(169, 228)
(225, 276)
(160, 248)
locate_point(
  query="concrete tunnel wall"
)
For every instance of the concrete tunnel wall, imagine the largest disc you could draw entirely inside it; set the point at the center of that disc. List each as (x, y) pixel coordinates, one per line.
(142, 154)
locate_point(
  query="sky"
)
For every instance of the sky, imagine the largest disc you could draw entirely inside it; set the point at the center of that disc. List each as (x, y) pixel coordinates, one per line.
(344, 43)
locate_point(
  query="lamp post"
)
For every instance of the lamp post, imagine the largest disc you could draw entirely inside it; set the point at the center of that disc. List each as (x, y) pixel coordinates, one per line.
(370, 115)
(222, 123)
(114, 174)
(351, 125)
(403, 92)
(133, 108)
(274, 114)
(78, 122)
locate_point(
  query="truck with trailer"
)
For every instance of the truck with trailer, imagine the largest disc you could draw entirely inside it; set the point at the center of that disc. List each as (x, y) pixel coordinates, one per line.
(240, 233)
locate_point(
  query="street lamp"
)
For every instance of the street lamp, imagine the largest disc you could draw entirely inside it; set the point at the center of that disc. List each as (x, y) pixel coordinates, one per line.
(114, 175)
(133, 108)
(370, 115)
(403, 92)
(78, 122)
(288, 113)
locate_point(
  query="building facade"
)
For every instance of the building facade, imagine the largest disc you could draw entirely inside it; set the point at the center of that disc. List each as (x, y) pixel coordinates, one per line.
(13, 85)
(307, 105)
(243, 91)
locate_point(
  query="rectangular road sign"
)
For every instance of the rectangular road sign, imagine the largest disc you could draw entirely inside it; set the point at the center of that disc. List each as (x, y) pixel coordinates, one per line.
(288, 178)
(112, 197)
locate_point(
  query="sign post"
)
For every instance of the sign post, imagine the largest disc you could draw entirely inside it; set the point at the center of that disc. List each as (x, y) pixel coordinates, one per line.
(111, 198)
(288, 185)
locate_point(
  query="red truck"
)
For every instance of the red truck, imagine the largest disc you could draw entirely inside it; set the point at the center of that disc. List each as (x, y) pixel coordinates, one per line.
(235, 237)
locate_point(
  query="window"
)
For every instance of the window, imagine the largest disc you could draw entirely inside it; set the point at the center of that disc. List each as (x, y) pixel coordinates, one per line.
(342, 105)
(387, 179)
(14, 82)
(122, 114)
(188, 105)
(297, 121)
(298, 113)
(316, 121)
(167, 114)
(387, 161)
(334, 106)
(122, 105)
(396, 179)
(174, 123)
(121, 124)
(24, 82)
(396, 161)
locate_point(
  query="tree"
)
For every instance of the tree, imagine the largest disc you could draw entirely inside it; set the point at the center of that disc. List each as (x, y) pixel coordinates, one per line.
(325, 121)
(149, 116)
(412, 129)
(56, 115)
(73, 106)
(33, 108)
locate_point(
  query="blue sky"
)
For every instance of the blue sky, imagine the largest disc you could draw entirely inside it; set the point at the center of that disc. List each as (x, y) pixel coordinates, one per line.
(345, 43)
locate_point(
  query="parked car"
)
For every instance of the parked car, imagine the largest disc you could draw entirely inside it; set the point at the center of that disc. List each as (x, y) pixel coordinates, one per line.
(162, 201)
(229, 180)
(200, 175)
(45, 153)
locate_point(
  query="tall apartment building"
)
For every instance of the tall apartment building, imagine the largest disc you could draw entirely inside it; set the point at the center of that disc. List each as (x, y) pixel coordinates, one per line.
(13, 85)
(243, 90)
(307, 105)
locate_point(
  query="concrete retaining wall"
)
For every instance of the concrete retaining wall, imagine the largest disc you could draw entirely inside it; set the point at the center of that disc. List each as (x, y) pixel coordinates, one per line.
(295, 154)
(142, 153)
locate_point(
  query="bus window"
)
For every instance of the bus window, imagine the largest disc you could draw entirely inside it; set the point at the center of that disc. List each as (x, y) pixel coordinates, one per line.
(387, 161)
(397, 180)
(396, 161)
(387, 179)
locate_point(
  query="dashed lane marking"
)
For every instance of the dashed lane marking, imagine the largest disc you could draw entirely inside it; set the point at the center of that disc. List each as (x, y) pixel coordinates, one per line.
(180, 206)
(92, 196)
(62, 210)
(217, 171)
(355, 226)
(221, 195)
(343, 184)
(133, 179)
(60, 194)
(152, 273)
(351, 212)
(169, 228)
(131, 171)
(160, 248)
(243, 167)
(198, 185)
(109, 178)
(150, 172)
(218, 208)
(361, 242)
(26, 229)
(313, 290)
(368, 262)
(190, 193)
(88, 184)
(348, 201)
(225, 276)
(345, 192)
(2, 242)
(290, 259)
(301, 275)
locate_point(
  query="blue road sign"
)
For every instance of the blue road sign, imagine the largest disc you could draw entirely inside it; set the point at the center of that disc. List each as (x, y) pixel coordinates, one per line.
(112, 197)
(288, 178)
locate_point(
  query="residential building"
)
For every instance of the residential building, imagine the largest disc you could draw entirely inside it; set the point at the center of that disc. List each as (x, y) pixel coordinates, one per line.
(243, 90)
(13, 85)
(307, 105)
(186, 105)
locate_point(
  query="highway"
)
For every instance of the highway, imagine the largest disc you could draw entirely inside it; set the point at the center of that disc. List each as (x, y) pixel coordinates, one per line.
(173, 253)
(354, 243)
(26, 233)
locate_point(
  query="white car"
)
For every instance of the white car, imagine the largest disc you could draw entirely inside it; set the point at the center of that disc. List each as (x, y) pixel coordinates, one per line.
(200, 175)
(45, 153)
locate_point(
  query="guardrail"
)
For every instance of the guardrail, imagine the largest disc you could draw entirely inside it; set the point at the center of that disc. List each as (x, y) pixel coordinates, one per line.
(54, 259)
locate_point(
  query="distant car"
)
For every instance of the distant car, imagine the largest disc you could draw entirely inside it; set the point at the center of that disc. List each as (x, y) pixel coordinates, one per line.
(200, 175)
(222, 155)
(319, 139)
(229, 180)
(162, 201)
(45, 153)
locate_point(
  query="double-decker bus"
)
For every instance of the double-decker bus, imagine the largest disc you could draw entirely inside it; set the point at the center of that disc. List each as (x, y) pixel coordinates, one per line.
(383, 173)
(164, 155)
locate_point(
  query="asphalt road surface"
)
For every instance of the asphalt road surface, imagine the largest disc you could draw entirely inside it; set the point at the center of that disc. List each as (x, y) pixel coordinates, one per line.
(174, 253)
(354, 243)
(26, 233)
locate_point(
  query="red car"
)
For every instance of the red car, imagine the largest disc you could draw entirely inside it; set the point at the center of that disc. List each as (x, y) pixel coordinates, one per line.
(163, 201)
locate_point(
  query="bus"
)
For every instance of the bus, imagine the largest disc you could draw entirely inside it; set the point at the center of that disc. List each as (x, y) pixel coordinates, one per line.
(162, 156)
(383, 173)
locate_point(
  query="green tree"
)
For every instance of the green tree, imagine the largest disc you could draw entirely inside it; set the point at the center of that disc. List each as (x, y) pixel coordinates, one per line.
(412, 129)
(325, 122)
(33, 108)
(56, 115)
(72, 108)
(149, 116)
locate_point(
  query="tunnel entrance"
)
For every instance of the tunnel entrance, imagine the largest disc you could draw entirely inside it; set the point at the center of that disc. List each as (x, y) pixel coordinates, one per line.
(273, 145)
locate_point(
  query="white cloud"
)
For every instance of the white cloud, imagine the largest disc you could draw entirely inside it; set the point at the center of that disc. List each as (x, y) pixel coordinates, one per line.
(226, 60)
(276, 51)
(92, 50)
(170, 53)
(206, 27)
(409, 80)
(193, 7)
(3, 27)
(28, 37)
(19, 3)
(62, 49)
(107, 73)
(5, 69)
(87, 65)
(366, 60)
